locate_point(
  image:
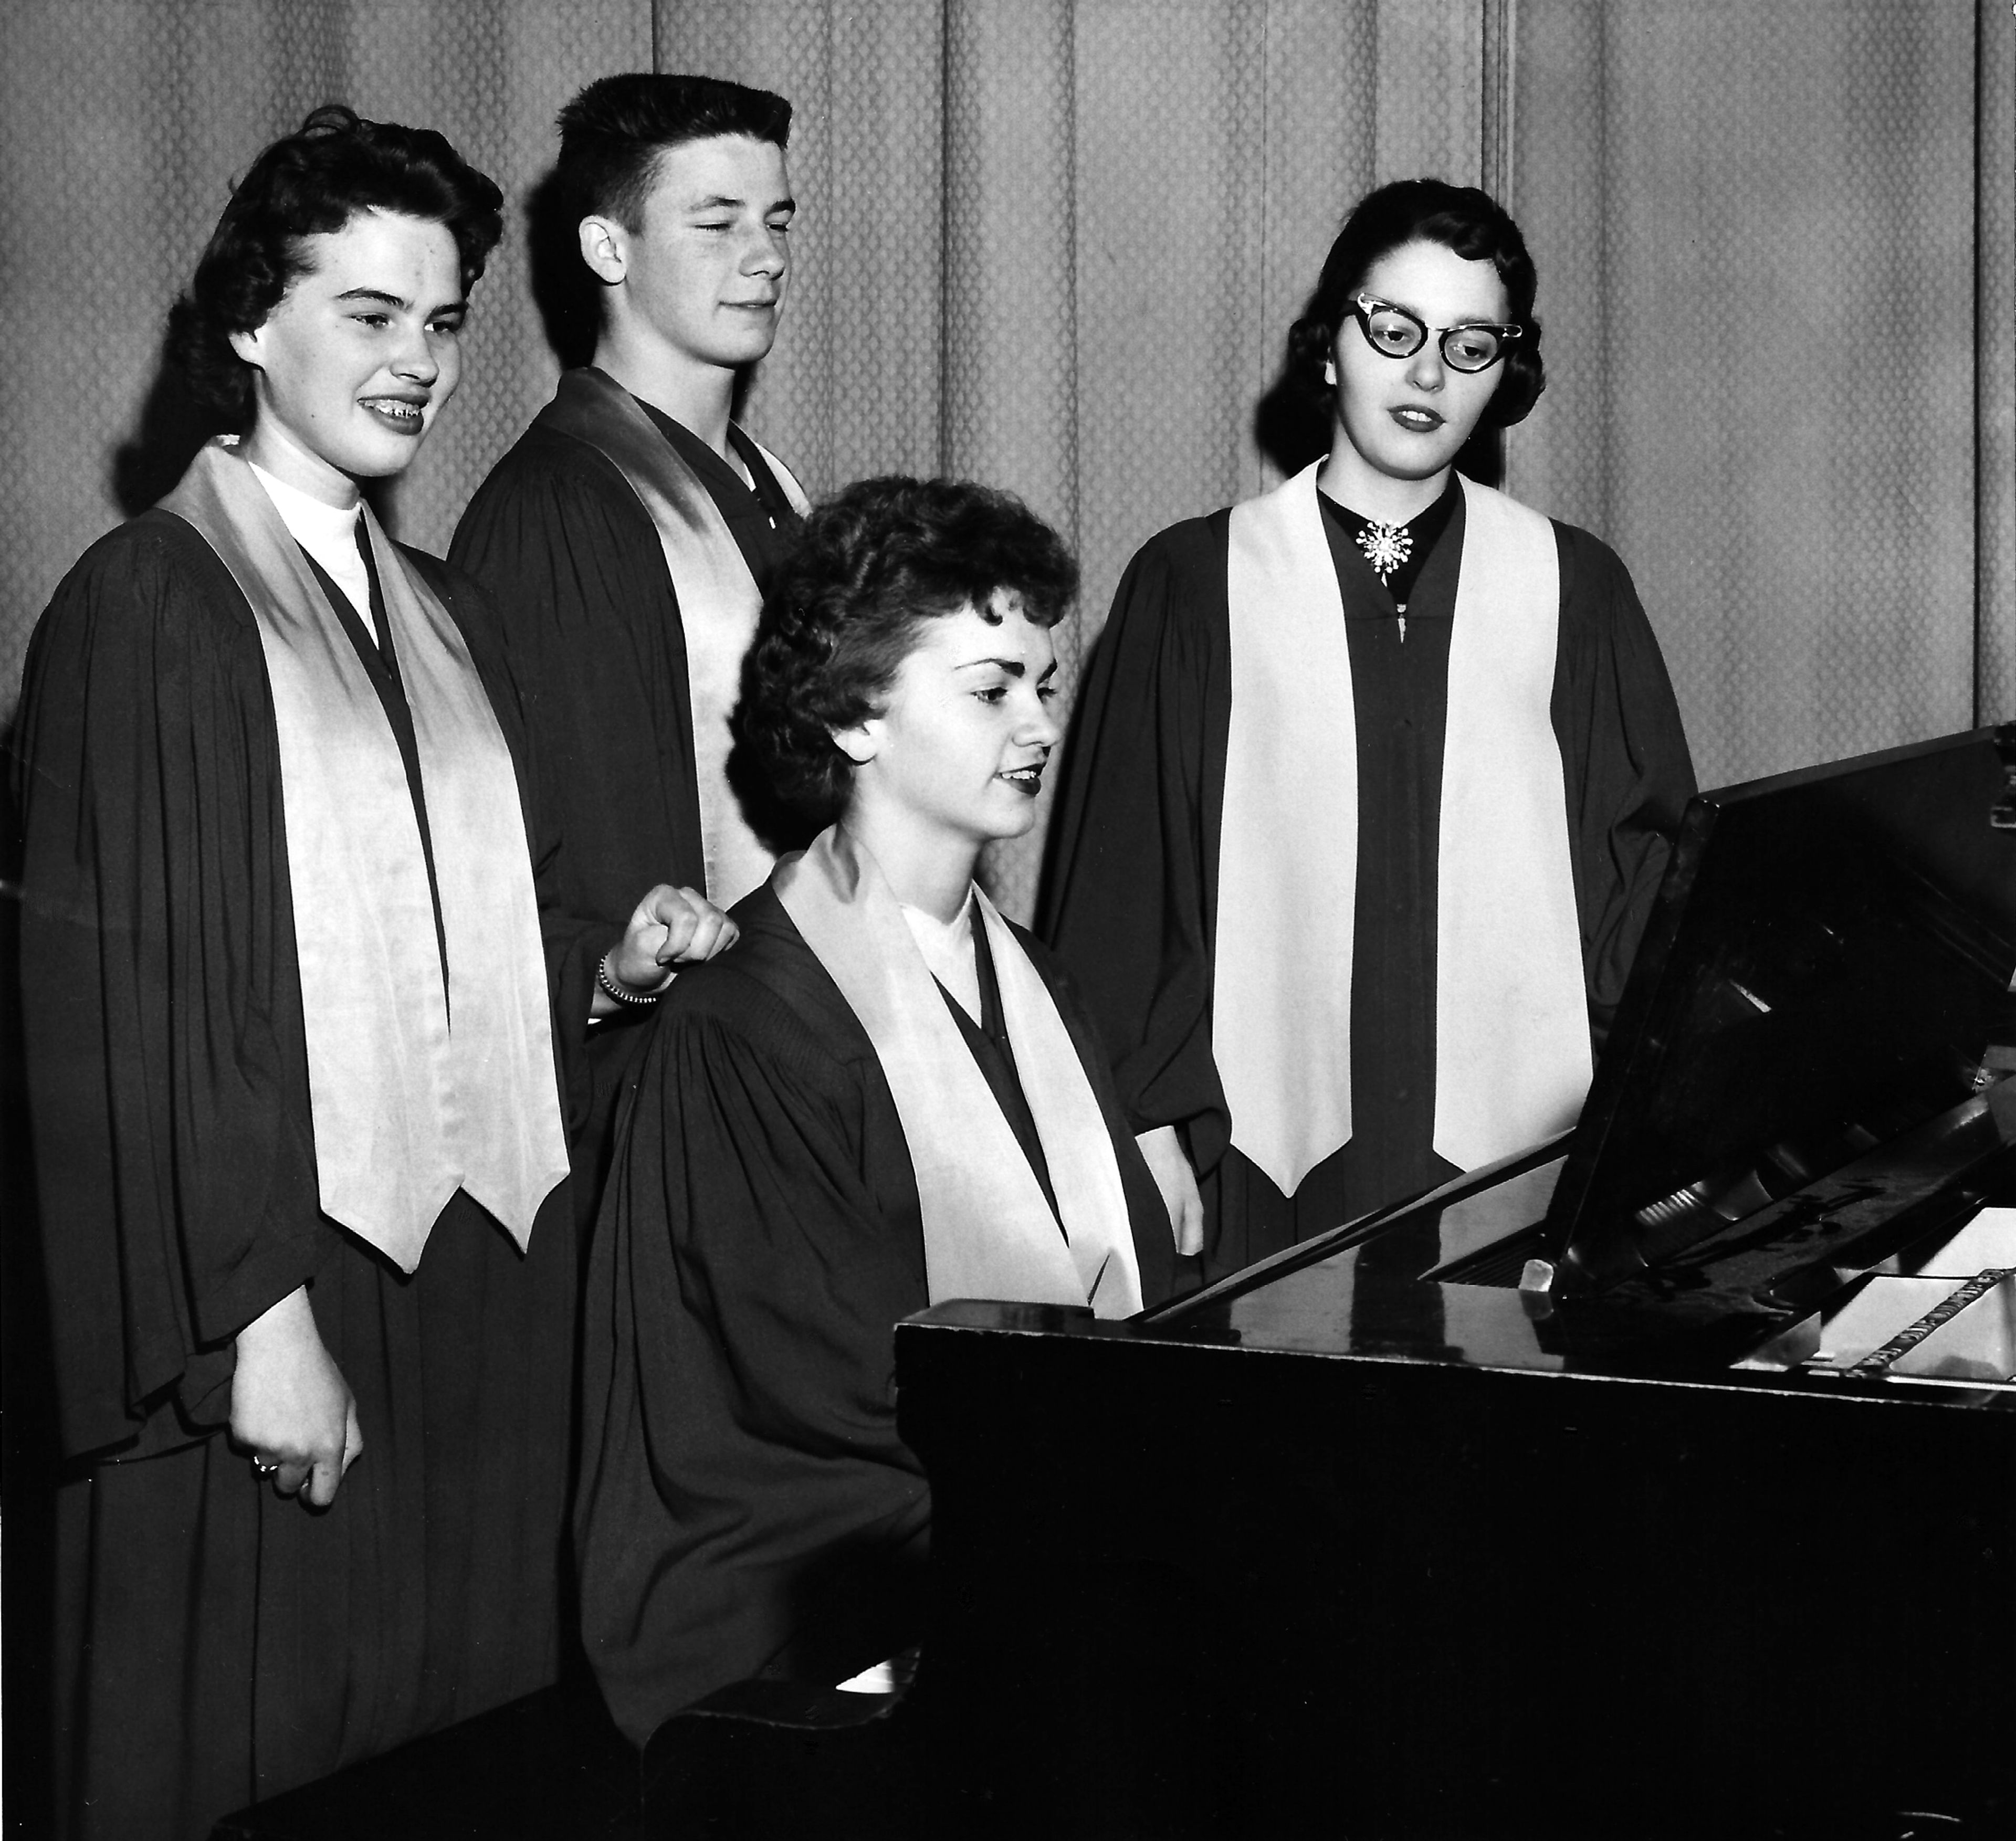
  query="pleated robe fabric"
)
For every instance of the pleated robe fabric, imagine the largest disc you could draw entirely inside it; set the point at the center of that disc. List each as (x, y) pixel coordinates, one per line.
(215, 1643)
(1133, 902)
(590, 627)
(747, 1506)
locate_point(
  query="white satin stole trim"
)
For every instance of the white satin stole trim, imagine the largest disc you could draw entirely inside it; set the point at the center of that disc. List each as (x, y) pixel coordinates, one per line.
(989, 1230)
(1513, 1060)
(1511, 1021)
(414, 1092)
(717, 597)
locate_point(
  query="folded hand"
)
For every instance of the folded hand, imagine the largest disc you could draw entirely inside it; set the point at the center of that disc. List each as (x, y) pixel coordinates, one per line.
(290, 1406)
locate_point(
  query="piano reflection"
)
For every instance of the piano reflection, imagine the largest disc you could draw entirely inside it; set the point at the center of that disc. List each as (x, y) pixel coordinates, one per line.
(1661, 1480)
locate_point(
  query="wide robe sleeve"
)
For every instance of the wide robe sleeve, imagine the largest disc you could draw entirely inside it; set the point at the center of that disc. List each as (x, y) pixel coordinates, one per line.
(744, 1489)
(591, 628)
(160, 995)
(1130, 893)
(1628, 771)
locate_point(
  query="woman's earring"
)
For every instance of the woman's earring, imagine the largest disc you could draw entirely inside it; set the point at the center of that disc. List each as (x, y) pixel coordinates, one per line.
(1330, 372)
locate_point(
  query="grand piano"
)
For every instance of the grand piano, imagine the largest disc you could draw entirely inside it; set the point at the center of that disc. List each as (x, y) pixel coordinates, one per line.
(1658, 1481)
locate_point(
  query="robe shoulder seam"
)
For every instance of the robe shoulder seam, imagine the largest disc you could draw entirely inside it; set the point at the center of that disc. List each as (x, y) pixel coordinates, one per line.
(1587, 561)
(553, 461)
(737, 1003)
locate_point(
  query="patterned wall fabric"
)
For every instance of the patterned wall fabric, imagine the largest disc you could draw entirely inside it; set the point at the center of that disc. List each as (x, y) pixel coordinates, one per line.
(1756, 230)
(1058, 246)
(1995, 361)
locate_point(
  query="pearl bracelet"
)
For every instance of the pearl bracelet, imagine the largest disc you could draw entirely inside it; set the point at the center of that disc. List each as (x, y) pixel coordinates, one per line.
(622, 993)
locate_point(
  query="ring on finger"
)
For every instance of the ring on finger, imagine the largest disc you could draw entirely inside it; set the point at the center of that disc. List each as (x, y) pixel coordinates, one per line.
(263, 1468)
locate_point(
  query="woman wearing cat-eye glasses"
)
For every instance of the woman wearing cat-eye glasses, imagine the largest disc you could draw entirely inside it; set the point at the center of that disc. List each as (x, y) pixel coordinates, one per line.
(1373, 777)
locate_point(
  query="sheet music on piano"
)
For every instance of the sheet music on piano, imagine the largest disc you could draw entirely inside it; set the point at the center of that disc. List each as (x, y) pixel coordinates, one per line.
(1946, 1315)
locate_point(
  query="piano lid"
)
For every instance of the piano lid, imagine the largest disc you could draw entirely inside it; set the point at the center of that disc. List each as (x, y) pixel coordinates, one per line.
(1829, 965)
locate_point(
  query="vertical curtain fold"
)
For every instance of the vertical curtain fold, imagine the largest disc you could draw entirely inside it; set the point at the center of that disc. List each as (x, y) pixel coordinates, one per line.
(1009, 414)
(1010, 365)
(1758, 225)
(1995, 368)
(1431, 94)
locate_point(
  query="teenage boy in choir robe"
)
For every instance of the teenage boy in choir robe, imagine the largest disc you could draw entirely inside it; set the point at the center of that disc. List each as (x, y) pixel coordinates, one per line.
(1421, 734)
(628, 537)
(296, 1005)
(885, 1096)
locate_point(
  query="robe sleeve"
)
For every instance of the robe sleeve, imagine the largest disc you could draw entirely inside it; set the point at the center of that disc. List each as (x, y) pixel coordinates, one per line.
(161, 1007)
(743, 1476)
(590, 626)
(1629, 776)
(1130, 895)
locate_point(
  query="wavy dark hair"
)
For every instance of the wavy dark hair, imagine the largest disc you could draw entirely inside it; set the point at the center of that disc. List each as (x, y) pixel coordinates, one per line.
(869, 568)
(612, 134)
(1470, 223)
(312, 183)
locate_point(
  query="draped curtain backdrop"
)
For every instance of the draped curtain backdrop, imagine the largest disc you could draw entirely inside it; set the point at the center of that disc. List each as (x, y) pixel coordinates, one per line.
(1057, 246)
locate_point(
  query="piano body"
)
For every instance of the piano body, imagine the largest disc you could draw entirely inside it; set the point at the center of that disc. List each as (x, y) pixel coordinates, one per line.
(1661, 1480)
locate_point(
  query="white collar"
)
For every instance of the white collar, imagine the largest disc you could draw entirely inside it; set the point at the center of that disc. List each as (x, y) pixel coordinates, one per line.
(327, 532)
(948, 949)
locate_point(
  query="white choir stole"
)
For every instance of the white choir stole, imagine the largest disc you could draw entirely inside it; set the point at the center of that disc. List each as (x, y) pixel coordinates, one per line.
(989, 1230)
(1512, 1047)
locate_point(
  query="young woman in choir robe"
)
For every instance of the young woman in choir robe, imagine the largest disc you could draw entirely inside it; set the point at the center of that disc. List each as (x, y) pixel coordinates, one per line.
(1418, 738)
(885, 1097)
(295, 1015)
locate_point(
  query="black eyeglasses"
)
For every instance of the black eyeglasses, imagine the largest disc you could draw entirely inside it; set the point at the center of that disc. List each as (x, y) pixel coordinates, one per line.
(1394, 332)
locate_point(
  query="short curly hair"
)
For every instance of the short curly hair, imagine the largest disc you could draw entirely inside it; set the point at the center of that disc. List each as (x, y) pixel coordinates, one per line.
(869, 568)
(309, 184)
(1461, 218)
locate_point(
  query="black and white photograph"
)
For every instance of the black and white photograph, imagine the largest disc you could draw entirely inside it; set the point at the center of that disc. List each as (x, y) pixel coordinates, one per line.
(991, 919)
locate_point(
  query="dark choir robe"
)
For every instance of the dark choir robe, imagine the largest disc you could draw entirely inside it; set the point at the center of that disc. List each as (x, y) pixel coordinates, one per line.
(1132, 901)
(591, 626)
(217, 1643)
(747, 1506)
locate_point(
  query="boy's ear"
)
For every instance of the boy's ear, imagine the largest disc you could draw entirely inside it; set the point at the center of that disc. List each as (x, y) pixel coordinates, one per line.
(605, 247)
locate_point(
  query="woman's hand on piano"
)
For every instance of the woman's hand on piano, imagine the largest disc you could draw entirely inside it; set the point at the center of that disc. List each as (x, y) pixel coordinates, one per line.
(1163, 1152)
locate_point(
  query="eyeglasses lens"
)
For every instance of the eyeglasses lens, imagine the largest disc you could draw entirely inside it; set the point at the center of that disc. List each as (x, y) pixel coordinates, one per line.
(1394, 333)
(1398, 335)
(1470, 348)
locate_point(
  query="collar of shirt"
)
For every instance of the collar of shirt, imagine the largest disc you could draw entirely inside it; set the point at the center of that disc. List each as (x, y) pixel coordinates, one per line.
(327, 532)
(948, 949)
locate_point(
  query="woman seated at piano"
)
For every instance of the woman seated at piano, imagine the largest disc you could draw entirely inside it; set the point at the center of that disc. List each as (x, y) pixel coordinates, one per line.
(1421, 733)
(885, 1096)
